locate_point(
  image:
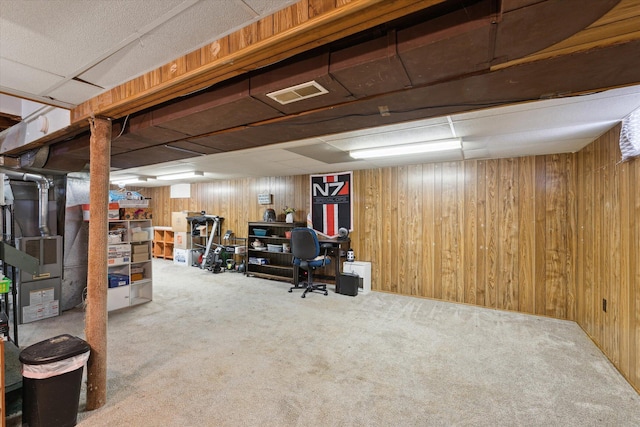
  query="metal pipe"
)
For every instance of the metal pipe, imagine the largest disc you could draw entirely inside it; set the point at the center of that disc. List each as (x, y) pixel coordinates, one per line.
(43, 199)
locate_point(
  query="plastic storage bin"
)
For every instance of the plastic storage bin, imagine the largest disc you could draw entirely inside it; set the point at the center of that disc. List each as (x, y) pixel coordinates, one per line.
(52, 376)
(5, 285)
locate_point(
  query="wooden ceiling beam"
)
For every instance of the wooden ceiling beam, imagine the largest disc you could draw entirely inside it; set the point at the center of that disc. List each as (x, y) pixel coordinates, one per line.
(620, 25)
(298, 28)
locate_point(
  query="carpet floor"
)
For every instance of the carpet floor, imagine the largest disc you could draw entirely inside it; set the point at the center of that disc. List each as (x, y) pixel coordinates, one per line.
(229, 350)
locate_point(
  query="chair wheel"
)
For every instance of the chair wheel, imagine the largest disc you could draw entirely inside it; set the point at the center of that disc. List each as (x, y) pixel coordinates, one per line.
(290, 291)
(326, 293)
(302, 296)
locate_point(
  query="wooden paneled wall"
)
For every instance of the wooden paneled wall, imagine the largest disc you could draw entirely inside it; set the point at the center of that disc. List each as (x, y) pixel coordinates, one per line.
(494, 233)
(608, 256)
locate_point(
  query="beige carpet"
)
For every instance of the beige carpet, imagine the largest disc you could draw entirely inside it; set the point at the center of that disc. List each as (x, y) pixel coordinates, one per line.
(229, 350)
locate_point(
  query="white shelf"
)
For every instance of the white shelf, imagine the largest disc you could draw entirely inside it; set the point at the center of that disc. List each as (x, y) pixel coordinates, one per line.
(139, 291)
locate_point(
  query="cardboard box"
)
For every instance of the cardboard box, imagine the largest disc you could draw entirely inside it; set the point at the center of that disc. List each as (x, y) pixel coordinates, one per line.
(179, 221)
(140, 249)
(113, 212)
(182, 257)
(140, 257)
(135, 213)
(139, 236)
(181, 240)
(118, 254)
(235, 249)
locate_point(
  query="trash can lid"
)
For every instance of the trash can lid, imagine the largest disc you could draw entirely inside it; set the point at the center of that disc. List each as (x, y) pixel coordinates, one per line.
(53, 349)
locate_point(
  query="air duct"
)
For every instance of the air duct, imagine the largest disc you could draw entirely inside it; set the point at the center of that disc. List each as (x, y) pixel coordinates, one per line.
(43, 195)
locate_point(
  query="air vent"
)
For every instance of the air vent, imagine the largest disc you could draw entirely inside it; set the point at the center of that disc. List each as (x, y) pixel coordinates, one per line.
(298, 92)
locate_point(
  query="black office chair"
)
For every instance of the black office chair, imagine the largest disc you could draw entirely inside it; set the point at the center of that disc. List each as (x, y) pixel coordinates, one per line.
(306, 255)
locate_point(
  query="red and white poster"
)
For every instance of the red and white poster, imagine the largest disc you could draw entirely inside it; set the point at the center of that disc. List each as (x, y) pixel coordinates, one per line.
(331, 206)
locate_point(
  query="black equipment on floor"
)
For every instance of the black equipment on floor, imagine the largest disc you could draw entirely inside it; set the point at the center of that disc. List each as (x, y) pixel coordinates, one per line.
(306, 255)
(349, 284)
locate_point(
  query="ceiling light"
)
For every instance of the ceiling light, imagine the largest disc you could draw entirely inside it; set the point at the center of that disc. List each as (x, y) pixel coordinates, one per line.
(298, 92)
(181, 175)
(399, 150)
(134, 180)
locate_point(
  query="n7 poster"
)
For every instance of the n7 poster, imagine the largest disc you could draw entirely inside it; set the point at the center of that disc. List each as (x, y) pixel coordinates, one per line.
(331, 206)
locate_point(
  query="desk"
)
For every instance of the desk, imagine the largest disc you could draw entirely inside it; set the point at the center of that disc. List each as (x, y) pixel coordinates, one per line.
(336, 250)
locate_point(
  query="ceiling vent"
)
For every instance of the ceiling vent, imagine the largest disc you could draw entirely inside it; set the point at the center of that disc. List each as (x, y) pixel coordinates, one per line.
(298, 92)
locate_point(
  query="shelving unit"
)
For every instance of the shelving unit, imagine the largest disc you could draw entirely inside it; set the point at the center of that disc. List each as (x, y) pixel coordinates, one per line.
(163, 239)
(278, 265)
(129, 263)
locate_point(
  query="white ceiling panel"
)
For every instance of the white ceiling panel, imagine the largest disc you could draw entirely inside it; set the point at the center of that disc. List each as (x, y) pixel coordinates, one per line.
(267, 7)
(389, 128)
(107, 42)
(512, 150)
(196, 26)
(447, 156)
(74, 92)
(25, 78)
(396, 135)
(27, 27)
(605, 106)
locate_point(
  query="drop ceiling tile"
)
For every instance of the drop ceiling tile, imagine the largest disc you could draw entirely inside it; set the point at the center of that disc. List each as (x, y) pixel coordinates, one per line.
(322, 152)
(445, 156)
(30, 30)
(267, 7)
(481, 153)
(388, 128)
(74, 92)
(514, 150)
(607, 105)
(547, 114)
(25, 78)
(206, 21)
(395, 137)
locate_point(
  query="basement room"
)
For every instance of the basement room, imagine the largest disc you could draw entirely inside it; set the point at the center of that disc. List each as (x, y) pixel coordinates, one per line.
(320, 213)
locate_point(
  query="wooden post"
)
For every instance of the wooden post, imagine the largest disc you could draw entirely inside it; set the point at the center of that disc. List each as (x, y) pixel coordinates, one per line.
(96, 317)
(3, 402)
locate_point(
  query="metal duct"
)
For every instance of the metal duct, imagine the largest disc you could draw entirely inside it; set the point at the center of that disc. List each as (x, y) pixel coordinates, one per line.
(43, 198)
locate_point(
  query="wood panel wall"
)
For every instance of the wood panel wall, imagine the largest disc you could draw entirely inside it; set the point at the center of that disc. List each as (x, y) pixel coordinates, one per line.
(493, 233)
(609, 252)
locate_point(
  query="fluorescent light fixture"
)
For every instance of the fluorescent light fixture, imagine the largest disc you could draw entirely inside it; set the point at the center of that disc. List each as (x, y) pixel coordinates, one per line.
(124, 181)
(181, 175)
(404, 149)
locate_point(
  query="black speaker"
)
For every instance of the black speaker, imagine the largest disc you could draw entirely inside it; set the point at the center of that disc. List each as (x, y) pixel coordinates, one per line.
(349, 284)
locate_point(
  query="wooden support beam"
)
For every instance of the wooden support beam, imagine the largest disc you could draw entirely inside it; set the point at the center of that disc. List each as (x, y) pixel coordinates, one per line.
(96, 317)
(3, 402)
(619, 25)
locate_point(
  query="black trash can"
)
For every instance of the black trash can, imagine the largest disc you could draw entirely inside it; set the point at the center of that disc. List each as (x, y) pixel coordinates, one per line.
(51, 381)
